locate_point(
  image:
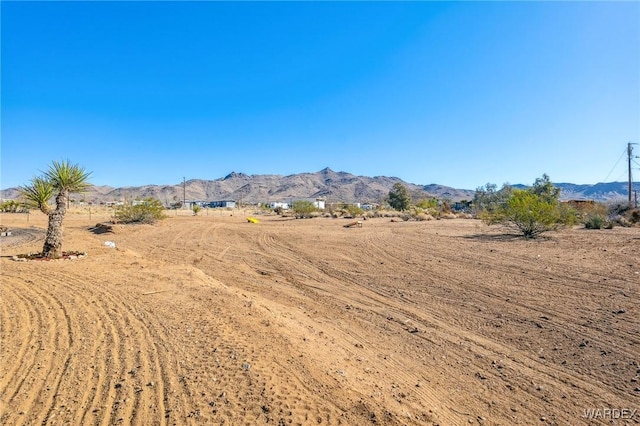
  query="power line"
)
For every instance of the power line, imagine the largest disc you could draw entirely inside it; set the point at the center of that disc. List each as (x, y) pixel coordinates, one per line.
(624, 151)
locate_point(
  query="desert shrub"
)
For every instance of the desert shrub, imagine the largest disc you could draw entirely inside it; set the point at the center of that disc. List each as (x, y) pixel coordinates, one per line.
(599, 215)
(595, 221)
(13, 206)
(149, 210)
(196, 209)
(427, 203)
(354, 210)
(303, 209)
(634, 216)
(531, 212)
(420, 217)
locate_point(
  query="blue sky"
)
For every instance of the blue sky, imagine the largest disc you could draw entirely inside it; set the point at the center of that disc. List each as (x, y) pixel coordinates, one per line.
(454, 93)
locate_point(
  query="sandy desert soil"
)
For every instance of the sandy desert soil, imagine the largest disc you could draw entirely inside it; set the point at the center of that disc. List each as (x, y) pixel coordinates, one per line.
(213, 320)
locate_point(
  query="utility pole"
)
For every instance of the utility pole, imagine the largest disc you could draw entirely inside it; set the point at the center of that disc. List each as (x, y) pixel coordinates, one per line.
(629, 151)
(184, 192)
(629, 157)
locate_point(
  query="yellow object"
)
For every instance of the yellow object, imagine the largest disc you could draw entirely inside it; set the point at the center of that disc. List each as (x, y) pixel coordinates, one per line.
(252, 220)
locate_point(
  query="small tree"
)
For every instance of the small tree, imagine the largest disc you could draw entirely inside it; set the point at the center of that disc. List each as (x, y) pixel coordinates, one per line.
(196, 209)
(489, 198)
(303, 208)
(530, 211)
(399, 198)
(545, 189)
(61, 179)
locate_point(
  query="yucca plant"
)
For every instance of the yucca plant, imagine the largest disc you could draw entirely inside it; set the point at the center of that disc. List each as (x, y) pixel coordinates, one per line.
(61, 179)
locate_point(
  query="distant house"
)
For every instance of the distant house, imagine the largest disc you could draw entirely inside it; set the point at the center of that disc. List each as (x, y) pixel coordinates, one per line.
(279, 204)
(189, 204)
(229, 204)
(369, 206)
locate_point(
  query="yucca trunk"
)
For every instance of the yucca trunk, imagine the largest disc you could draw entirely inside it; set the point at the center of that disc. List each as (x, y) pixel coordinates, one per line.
(53, 241)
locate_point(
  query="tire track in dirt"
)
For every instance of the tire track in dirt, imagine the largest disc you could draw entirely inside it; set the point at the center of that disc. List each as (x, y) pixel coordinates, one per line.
(565, 376)
(186, 245)
(258, 258)
(536, 311)
(511, 268)
(328, 290)
(191, 245)
(489, 347)
(37, 386)
(318, 280)
(106, 347)
(303, 322)
(109, 352)
(122, 392)
(20, 321)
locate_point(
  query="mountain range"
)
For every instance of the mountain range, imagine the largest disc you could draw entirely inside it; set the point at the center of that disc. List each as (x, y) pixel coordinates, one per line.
(328, 184)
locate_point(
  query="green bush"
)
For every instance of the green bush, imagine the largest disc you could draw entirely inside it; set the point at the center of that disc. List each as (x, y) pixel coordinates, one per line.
(13, 206)
(353, 210)
(149, 210)
(594, 221)
(399, 198)
(303, 209)
(531, 212)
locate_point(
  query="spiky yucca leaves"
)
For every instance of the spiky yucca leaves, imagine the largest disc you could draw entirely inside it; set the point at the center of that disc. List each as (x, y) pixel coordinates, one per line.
(38, 194)
(60, 180)
(65, 176)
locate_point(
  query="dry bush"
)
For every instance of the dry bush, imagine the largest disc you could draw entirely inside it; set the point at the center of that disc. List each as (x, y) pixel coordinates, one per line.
(422, 217)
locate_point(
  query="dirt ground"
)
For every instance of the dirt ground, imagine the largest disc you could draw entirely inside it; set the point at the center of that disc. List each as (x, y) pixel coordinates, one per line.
(213, 320)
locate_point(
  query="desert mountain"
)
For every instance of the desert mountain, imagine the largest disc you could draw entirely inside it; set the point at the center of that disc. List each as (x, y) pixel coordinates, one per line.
(328, 184)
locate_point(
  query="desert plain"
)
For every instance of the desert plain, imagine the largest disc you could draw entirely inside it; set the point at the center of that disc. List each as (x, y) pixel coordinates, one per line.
(211, 320)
